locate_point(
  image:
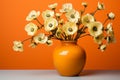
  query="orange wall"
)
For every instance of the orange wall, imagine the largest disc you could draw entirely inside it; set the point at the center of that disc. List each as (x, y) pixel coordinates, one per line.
(12, 22)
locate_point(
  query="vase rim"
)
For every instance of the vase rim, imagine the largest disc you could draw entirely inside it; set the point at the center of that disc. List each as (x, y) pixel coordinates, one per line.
(69, 41)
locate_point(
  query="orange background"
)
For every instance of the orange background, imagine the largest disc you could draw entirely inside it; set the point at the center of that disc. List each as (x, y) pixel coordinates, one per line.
(12, 22)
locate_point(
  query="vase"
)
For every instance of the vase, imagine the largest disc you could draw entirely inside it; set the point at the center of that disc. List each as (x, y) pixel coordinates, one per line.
(69, 58)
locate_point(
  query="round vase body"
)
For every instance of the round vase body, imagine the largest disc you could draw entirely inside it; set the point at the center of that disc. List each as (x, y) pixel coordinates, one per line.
(69, 58)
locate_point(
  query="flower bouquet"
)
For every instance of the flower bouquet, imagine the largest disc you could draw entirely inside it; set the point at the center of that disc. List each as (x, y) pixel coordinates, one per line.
(68, 25)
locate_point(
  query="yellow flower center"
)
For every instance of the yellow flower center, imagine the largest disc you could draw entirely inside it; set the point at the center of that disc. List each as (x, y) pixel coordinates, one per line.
(32, 30)
(72, 16)
(58, 33)
(19, 47)
(32, 15)
(97, 37)
(94, 28)
(50, 25)
(39, 39)
(70, 29)
(87, 20)
(47, 15)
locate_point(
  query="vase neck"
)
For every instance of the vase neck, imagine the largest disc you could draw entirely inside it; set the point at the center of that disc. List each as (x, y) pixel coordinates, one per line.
(68, 42)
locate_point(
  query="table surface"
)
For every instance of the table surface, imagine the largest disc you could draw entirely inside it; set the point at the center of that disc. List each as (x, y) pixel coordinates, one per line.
(53, 75)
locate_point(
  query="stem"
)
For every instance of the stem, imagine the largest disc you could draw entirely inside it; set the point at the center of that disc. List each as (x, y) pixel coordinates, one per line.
(72, 37)
(65, 35)
(94, 12)
(84, 28)
(26, 39)
(54, 12)
(79, 32)
(38, 21)
(56, 38)
(83, 10)
(62, 36)
(85, 35)
(69, 37)
(105, 21)
(55, 15)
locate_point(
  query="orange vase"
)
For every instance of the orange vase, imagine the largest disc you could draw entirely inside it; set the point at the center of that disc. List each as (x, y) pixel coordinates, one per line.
(69, 58)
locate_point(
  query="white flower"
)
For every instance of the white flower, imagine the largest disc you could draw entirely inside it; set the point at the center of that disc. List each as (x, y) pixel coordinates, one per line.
(32, 15)
(73, 16)
(111, 39)
(111, 15)
(33, 45)
(87, 19)
(66, 7)
(110, 34)
(41, 38)
(47, 14)
(53, 6)
(84, 4)
(61, 21)
(103, 47)
(31, 29)
(50, 24)
(100, 6)
(99, 39)
(18, 46)
(49, 42)
(95, 28)
(58, 14)
(70, 28)
(109, 28)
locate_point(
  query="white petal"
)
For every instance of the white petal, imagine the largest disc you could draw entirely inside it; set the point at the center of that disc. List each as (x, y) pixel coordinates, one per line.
(47, 14)
(31, 29)
(84, 4)
(111, 15)
(73, 16)
(52, 6)
(98, 26)
(86, 19)
(51, 21)
(103, 47)
(18, 46)
(49, 42)
(70, 25)
(100, 6)
(32, 15)
(66, 7)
